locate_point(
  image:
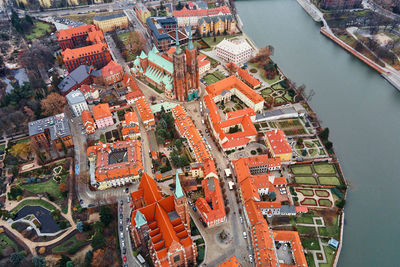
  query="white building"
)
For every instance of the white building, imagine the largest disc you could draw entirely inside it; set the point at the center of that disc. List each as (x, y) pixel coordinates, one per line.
(236, 51)
(77, 102)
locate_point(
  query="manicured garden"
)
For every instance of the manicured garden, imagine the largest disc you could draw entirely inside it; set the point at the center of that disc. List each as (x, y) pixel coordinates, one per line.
(330, 256)
(214, 77)
(306, 192)
(329, 180)
(305, 218)
(301, 169)
(322, 193)
(310, 243)
(306, 230)
(305, 180)
(324, 203)
(309, 202)
(70, 246)
(324, 168)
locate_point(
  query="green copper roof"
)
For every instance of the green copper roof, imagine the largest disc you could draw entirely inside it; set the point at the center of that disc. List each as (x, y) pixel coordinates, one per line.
(169, 86)
(141, 70)
(190, 45)
(161, 62)
(137, 61)
(178, 48)
(154, 50)
(167, 106)
(178, 188)
(143, 55)
(140, 220)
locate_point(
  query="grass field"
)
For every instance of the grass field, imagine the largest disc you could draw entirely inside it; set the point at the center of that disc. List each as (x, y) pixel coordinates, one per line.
(322, 193)
(71, 246)
(34, 202)
(324, 202)
(305, 180)
(50, 187)
(310, 243)
(301, 169)
(305, 218)
(210, 40)
(306, 192)
(330, 256)
(214, 77)
(307, 230)
(40, 29)
(309, 202)
(5, 242)
(324, 168)
(329, 180)
(310, 260)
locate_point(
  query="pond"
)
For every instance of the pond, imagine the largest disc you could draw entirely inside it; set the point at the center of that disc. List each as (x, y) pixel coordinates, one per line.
(47, 223)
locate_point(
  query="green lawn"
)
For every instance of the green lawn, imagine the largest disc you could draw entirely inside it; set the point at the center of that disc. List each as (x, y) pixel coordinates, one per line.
(70, 246)
(34, 202)
(266, 91)
(25, 140)
(310, 260)
(124, 38)
(329, 231)
(305, 192)
(330, 256)
(325, 168)
(329, 180)
(2, 147)
(307, 230)
(50, 187)
(309, 201)
(325, 202)
(40, 29)
(200, 254)
(322, 193)
(210, 40)
(277, 78)
(211, 78)
(305, 218)
(219, 74)
(5, 242)
(305, 180)
(301, 169)
(310, 243)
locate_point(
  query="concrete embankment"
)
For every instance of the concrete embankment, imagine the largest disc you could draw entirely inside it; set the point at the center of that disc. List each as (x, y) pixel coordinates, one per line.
(307, 6)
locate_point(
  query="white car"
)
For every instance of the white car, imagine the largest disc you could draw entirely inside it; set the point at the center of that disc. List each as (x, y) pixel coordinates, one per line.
(250, 258)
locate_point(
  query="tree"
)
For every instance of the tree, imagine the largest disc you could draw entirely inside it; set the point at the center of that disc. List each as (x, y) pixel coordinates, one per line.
(63, 261)
(98, 258)
(88, 257)
(272, 195)
(38, 261)
(63, 188)
(178, 144)
(105, 215)
(16, 258)
(21, 150)
(98, 241)
(53, 104)
(324, 135)
(70, 264)
(340, 203)
(300, 142)
(136, 42)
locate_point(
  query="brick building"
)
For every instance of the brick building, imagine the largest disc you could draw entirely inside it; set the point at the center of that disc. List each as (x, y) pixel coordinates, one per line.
(112, 73)
(102, 115)
(75, 37)
(161, 226)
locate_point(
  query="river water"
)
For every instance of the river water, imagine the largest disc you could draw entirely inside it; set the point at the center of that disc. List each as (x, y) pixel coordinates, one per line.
(362, 111)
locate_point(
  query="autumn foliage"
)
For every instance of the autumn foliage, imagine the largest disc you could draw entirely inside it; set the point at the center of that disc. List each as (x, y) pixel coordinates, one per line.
(53, 104)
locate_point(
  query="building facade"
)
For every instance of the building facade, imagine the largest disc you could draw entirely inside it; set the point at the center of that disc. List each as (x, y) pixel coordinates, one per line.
(77, 102)
(102, 115)
(192, 16)
(237, 51)
(142, 12)
(217, 25)
(88, 122)
(111, 22)
(278, 145)
(112, 73)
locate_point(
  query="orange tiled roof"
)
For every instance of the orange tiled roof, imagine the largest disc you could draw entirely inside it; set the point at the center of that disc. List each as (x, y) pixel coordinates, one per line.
(241, 112)
(145, 111)
(202, 61)
(69, 54)
(101, 111)
(88, 121)
(297, 248)
(231, 262)
(278, 141)
(214, 196)
(87, 89)
(187, 129)
(76, 31)
(130, 124)
(95, 37)
(184, 12)
(106, 171)
(248, 77)
(133, 95)
(234, 82)
(111, 68)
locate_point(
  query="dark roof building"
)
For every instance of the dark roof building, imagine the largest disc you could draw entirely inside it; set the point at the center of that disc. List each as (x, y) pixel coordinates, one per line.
(81, 75)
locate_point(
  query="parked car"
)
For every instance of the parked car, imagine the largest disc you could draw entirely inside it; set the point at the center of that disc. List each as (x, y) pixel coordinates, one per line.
(127, 190)
(201, 219)
(278, 245)
(128, 200)
(241, 219)
(120, 227)
(124, 258)
(124, 251)
(121, 216)
(251, 258)
(194, 208)
(122, 202)
(244, 235)
(127, 219)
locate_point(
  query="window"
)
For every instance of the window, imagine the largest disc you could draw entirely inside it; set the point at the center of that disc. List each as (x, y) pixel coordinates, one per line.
(176, 258)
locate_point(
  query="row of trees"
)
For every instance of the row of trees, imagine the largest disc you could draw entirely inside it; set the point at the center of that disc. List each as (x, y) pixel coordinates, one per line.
(133, 45)
(264, 62)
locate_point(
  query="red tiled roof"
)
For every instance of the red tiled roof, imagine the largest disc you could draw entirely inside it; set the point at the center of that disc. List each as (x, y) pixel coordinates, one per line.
(88, 121)
(76, 31)
(101, 111)
(248, 77)
(202, 61)
(111, 68)
(241, 112)
(87, 89)
(294, 239)
(278, 141)
(214, 196)
(145, 111)
(184, 12)
(231, 262)
(69, 54)
(234, 82)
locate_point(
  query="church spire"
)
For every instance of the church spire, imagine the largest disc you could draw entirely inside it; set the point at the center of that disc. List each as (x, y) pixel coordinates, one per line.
(178, 187)
(178, 48)
(190, 45)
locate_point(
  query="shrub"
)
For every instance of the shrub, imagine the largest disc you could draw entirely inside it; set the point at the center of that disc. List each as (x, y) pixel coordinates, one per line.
(340, 203)
(259, 150)
(253, 152)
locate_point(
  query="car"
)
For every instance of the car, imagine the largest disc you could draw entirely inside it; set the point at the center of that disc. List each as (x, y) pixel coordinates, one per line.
(251, 258)
(120, 209)
(201, 219)
(120, 221)
(81, 201)
(128, 200)
(278, 245)
(121, 228)
(194, 208)
(124, 258)
(244, 235)
(241, 219)
(127, 190)
(131, 205)
(122, 236)
(206, 130)
(121, 216)
(127, 228)
(227, 201)
(122, 202)
(72, 120)
(124, 251)
(123, 243)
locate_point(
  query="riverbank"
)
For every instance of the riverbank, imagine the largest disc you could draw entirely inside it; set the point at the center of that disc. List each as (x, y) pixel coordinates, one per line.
(387, 72)
(317, 17)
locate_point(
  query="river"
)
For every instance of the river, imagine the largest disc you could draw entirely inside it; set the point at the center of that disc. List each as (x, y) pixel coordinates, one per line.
(362, 111)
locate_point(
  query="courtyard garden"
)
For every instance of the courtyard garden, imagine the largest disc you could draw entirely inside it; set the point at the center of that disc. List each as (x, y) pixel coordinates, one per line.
(292, 127)
(310, 148)
(278, 93)
(255, 69)
(5, 242)
(319, 173)
(314, 197)
(214, 77)
(39, 30)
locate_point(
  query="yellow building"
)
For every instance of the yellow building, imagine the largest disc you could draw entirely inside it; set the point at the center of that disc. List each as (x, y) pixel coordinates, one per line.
(217, 25)
(110, 22)
(142, 12)
(278, 145)
(73, 2)
(24, 2)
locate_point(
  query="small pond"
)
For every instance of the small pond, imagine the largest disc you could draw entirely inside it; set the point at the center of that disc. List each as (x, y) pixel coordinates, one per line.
(48, 224)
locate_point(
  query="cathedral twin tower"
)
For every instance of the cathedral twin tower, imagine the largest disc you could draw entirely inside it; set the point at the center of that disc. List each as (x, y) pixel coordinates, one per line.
(186, 71)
